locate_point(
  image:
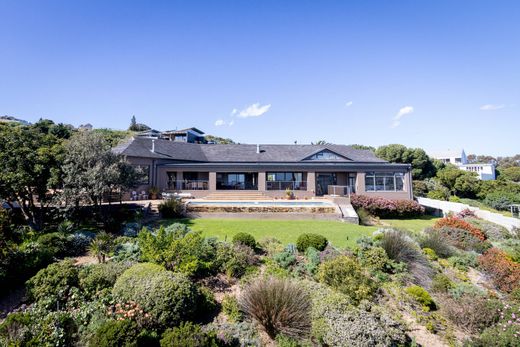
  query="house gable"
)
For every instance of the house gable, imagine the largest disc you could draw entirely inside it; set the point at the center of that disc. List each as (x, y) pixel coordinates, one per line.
(326, 155)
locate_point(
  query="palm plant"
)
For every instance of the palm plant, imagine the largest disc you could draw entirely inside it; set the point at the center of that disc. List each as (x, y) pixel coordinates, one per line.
(101, 246)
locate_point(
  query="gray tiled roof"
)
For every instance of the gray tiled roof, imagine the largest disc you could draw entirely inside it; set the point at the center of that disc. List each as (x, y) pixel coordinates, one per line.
(141, 147)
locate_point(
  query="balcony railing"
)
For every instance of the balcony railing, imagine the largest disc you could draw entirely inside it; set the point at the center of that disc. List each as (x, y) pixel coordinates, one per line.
(283, 185)
(339, 190)
(189, 185)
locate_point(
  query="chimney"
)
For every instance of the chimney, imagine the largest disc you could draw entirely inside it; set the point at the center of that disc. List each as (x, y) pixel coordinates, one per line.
(257, 149)
(153, 146)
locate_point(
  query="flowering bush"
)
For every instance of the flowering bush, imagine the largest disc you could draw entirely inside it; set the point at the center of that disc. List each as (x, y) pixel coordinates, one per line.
(386, 208)
(131, 311)
(504, 272)
(504, 334)
(454, 222)
(466, 213)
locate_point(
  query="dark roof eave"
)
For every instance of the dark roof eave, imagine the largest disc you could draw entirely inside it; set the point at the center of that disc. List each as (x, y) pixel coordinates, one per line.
(303, 165)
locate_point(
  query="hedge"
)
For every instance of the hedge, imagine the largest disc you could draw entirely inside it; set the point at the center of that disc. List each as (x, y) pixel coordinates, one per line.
(386, 208)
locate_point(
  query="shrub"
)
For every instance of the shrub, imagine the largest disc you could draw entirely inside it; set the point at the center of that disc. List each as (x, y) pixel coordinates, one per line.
(441, 283)
(501, 200)
(231, 308)
(285, 259)
(506, 332)
(421, 296)
(504, 272)
(313, 260)
(56, 243)
(466, 213)
(235, 334)
(401, 249)
(95, 278)
(462, 239)
(316, 241)
(245, 239)
(172, 208)
(279, 306)
(168, 297)
(433, 239)
(457, 223)
(375, 258)
(271, 246)
(114, 333)
(178, 248)
(346, 275)
(385, 208)
(364, 217)
(16, 330)
(472, 313)
(464, 261)
(188, 335)
(79, 241)
(493, 231)
(101, 246)
(54, 282)
(234, 260)
(438, 194)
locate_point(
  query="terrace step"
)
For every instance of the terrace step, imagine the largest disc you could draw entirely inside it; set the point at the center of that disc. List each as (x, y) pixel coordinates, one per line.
(237, 195)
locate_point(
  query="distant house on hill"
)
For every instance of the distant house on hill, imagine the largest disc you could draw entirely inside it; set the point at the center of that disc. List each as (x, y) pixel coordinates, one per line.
(484, 171)
(189, 135)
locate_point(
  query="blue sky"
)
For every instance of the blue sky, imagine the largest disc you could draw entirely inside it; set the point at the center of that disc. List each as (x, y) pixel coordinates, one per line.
(432, 74)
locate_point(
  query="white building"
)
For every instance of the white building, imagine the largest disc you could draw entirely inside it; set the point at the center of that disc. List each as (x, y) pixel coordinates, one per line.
(458, 158)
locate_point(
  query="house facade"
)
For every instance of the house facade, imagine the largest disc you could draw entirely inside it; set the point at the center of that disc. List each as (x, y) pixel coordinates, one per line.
(306, 170)
(484, 171)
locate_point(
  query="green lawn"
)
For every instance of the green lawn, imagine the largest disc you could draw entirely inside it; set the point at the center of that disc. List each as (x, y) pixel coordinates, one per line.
(414, 225)
(287, 231)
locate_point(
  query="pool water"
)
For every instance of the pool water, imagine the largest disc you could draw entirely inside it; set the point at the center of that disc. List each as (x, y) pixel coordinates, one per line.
(263, 203)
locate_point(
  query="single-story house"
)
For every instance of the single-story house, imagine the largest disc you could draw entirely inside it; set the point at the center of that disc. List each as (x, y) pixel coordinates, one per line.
(306, 170)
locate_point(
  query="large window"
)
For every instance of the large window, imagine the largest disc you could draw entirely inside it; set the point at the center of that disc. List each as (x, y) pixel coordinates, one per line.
(384, 181)
(285, 180)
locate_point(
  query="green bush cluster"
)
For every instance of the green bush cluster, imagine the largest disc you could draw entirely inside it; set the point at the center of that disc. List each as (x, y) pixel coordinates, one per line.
(316, 241)
(234, 259)
(346, 275)
(421, 296)
(231, 309)
(245, 239)
(178, 248)
(168, 297)
(172, 208)
(54, 283)
(96, 278)
(188, 335)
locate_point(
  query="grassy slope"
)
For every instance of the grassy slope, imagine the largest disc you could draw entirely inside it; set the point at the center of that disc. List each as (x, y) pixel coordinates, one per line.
(287, 231)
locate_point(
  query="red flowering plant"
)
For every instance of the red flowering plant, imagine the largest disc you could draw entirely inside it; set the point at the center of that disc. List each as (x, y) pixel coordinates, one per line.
(466, 213)
(457, 223)
(130, 311)
(504, 272)
(386, 208)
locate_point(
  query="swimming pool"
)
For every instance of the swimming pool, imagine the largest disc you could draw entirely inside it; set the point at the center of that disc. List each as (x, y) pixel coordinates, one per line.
(263, 203)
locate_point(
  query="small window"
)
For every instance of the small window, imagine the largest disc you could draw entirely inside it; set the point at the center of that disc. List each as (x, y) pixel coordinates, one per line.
(325, 155)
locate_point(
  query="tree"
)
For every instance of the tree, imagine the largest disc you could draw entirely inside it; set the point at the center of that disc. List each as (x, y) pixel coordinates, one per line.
(363, 147)
(467, 185)
(30, 170)
(134, 126)
(91, 170)
(511, 173)
(101, 246)
(218, 140)
(422, 165)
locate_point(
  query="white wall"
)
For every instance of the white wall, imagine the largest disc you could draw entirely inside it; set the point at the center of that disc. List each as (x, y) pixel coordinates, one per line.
(455, 207)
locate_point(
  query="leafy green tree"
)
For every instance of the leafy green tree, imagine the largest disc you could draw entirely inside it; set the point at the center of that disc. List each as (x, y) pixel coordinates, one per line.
(511, 174)
(422, 165)
(30, 173)
(113, 137)
(364, 147)
(218, 140)
(467, 185)
(91, 170)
